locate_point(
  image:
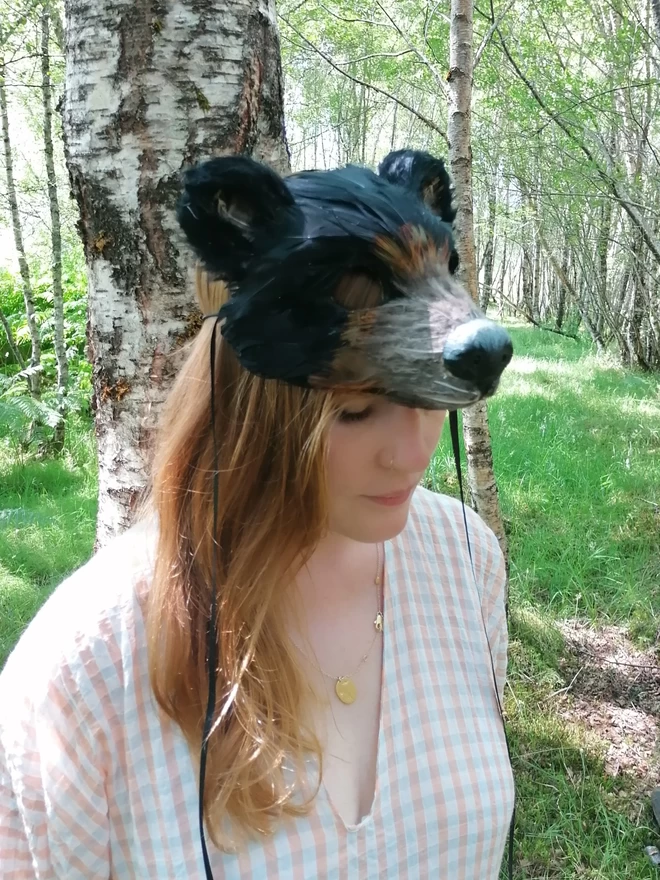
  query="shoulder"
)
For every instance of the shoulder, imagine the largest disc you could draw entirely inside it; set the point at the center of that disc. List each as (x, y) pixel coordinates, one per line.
(78, 637)
(441, 517)
(437, 527)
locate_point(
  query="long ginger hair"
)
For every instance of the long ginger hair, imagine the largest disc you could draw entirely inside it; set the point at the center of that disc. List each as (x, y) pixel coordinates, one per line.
(271, 445)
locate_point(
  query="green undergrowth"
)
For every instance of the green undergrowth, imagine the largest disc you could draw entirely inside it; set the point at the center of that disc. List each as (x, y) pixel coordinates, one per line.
(47, 520)
(573, 819)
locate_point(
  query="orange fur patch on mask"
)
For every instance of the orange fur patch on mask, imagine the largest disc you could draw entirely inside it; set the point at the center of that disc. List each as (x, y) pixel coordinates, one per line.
(412, 253)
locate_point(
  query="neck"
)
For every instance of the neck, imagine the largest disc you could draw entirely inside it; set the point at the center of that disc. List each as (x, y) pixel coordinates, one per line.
(339, 569)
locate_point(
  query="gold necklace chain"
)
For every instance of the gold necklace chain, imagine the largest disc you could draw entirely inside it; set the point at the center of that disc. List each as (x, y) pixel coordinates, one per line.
(344, 685)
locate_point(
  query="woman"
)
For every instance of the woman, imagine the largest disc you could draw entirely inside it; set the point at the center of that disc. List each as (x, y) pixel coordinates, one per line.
(356, 639)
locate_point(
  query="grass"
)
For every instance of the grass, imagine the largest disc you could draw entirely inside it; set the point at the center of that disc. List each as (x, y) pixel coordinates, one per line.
(576, 443)
(47, 523)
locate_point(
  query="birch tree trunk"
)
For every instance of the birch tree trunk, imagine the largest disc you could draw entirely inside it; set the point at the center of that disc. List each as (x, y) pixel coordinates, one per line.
(481, 478)
(655, 6)
(151, 88)
(34, 382)
(55, 232)
(489, 252)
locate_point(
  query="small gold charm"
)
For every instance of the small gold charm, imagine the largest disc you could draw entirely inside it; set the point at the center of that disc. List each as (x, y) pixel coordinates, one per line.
(378, 622)
(346, 690)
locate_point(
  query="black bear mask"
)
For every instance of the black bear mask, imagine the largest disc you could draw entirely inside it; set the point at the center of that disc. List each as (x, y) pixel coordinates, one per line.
(285, 245)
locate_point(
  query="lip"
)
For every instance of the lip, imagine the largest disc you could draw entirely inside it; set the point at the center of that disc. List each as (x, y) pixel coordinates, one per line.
(393, 500)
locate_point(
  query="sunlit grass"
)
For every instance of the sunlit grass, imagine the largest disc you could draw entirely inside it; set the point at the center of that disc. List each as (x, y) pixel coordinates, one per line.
(576, 445)
(47, 517)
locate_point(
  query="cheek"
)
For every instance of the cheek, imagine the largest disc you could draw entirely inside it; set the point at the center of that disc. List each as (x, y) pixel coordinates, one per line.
(350, 458)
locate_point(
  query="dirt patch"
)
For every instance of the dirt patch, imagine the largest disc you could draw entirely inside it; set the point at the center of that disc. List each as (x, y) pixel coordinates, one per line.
(613, 691)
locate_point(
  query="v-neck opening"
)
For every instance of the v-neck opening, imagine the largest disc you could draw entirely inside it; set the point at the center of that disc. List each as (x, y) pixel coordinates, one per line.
(388, 594)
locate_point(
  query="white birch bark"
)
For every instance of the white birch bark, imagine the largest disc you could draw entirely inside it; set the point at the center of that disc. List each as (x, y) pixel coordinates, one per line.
(34, 378)
(55, 231)
(481, 478)
(655, 6)
(151, 88)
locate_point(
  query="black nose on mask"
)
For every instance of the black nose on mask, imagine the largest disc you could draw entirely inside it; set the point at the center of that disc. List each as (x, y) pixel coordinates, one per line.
(478, 352)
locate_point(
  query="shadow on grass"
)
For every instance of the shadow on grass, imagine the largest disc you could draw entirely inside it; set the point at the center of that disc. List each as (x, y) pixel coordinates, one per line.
(573, 819)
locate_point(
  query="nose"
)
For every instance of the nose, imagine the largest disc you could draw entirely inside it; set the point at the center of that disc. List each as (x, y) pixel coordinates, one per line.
(412, 437)
(478, 351)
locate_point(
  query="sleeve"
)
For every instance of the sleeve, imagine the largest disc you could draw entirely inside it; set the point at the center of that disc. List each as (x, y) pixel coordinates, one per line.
(53, 808)
(491, 575)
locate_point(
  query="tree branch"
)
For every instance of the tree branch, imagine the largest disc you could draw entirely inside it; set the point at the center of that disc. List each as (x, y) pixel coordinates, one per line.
(360, 82)
(354, 20)
(491, 30)
(434, 73)
(427, 25)
(637, 219)
(11, 342)
(536, 323)
(374, 55)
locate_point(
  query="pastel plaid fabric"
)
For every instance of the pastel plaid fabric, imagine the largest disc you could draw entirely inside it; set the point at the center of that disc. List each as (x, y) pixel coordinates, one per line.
(94, 783)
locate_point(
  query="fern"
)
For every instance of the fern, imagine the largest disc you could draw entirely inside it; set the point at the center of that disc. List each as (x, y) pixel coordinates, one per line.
(24, 421)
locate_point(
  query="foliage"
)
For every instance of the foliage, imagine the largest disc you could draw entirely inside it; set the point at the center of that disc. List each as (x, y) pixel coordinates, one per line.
(565, 141)
(27, 425)
(20, 415)
(24, 421)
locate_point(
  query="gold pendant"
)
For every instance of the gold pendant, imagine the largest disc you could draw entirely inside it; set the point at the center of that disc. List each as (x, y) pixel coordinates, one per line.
(378, 622)
(346, 690)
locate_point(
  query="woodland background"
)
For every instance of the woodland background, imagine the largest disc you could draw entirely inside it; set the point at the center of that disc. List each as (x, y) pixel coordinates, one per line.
(566, 186)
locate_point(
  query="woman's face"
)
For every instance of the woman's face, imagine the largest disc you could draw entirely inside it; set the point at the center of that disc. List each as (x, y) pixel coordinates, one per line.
(377, 454)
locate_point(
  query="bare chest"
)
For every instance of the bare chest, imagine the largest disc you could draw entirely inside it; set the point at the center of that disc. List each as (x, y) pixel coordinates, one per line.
(348, 733)
(349, 739)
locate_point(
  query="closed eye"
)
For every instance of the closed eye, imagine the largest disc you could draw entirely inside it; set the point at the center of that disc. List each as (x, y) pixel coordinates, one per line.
(348, 416)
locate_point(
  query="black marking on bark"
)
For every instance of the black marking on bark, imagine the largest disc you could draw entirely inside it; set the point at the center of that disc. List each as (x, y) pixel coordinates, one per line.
(136, 38)
(272, 103)
(157, 201)
(202, 100)
(259, 105)
(101, 222)
(130, 118)
(129, 498)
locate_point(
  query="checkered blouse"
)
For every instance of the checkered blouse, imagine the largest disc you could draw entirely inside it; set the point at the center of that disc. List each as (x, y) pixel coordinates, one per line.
(95, 784)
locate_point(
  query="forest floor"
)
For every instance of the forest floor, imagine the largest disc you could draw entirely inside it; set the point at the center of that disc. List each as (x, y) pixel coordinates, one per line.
(576, 444)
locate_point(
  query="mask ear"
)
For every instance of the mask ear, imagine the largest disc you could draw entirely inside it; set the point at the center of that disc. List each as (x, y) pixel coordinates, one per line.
(425, 175)
(230, 209)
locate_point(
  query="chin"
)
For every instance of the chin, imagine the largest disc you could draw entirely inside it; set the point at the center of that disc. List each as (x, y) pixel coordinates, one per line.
(377, 525)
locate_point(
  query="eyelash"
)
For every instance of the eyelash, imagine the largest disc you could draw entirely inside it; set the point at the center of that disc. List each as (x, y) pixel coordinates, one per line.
(359, 416)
